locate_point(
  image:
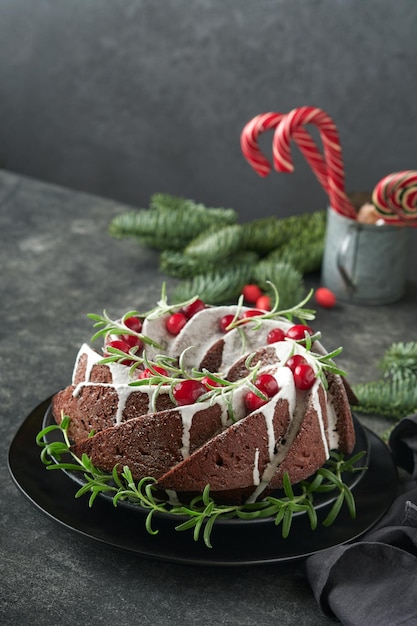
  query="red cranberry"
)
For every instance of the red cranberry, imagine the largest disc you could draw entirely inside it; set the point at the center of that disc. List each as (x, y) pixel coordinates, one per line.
(251, 293)
(253, 402)
(304, 376)
(118, 344)
(295, 360)
(252, 313)
(298, 331)
(209, 382)
(148, 373)
(188, 391)
(195, 307)
(134, 323)
(264, 303)
(175, 323)
(132, 341)
(225, 321)
(274, 335)
(267, 384)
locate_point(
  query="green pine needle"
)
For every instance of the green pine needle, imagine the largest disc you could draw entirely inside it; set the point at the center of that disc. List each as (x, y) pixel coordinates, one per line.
(392, 399)
(217, 286)
(216, 256)
(179, 265)
(216, 244)
(167, 202)
(287, 280)
(400, 361)
(171, 228)
(304, 257)
(395, 395)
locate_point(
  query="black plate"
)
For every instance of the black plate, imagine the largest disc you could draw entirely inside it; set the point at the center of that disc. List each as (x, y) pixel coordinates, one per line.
(238, 543)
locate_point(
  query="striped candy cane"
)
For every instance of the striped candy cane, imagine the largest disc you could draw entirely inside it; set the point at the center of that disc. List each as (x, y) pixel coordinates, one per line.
(334, 185)
(395, 197)
(267, 121)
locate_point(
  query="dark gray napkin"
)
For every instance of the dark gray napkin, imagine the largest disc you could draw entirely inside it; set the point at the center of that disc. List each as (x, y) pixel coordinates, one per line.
(373, 582)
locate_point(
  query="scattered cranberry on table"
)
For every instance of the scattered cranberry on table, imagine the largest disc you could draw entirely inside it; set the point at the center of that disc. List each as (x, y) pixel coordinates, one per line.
(325, 298)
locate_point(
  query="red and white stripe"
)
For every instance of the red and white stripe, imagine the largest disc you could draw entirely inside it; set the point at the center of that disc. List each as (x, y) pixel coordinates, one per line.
(395, 197)
(332, 179)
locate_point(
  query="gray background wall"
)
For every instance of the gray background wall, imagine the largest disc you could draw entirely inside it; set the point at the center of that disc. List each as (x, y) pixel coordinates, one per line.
(127, 97)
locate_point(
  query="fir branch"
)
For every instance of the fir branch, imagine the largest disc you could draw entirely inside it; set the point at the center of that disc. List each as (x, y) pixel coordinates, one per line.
(170, 227)
(394, 399)
(179, 265)
(203, 512)
(284, 276)
(168, 202)
(219, 243)
(268, 234)
(305, 258)
(218, 286)
(395, 395)
(400, 361)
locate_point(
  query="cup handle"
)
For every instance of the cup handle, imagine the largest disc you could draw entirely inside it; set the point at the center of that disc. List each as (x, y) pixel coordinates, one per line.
(342, 256)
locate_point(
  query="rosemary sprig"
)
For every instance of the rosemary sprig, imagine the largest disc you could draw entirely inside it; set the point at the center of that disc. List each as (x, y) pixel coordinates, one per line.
(203, 512)
(108, 326)
(297, 311)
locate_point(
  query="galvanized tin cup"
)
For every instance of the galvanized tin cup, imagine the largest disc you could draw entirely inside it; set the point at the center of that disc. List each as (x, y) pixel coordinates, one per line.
(364, 263)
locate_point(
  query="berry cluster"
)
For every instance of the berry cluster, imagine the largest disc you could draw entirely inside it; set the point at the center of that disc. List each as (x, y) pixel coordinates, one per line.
(188, 391)
(253, 295)
(176, 321)
(127, 340)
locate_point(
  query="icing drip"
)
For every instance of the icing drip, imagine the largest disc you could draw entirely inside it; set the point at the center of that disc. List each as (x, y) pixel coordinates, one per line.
(317, 407)
(256, 475)
(287, 392)
(187, 414)
(332, 434)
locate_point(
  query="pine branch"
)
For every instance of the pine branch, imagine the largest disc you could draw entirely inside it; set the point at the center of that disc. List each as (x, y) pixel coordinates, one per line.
(263, 235)
(400, 361)
(268, 234)
(304, 258)
(216, 287)
(179, 265)
(288, 281)
(395, 395)
(216, 243)
(164, 228)
(168, 202)
(392, 399)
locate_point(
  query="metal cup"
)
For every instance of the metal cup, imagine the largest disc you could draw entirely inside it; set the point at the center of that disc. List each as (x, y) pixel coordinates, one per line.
(364, 263)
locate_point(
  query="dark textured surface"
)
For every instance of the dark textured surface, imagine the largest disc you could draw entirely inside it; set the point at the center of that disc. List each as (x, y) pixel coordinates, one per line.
(57, 264)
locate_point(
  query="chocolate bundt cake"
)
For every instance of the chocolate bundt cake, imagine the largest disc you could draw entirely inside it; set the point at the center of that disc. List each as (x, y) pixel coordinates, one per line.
(193, 395)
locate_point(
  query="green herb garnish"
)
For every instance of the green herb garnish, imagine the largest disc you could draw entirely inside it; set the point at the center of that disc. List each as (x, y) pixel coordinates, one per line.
(202, 512)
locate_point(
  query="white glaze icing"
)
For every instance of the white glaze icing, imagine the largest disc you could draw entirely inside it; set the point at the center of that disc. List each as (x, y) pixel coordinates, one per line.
(256, 475)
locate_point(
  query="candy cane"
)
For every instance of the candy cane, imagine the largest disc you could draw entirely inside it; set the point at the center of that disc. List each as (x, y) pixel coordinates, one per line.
(335, 184)
(267, 121)
(395, 197)
(249, 140)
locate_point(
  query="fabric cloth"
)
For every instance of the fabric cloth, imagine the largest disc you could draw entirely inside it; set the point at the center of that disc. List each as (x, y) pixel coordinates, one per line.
(373, 582)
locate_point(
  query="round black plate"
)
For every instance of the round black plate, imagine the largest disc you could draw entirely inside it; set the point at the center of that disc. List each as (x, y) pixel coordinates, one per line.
(240, 543)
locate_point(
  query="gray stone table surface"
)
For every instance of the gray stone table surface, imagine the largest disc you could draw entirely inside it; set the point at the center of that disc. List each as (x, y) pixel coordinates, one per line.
(57, 264)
